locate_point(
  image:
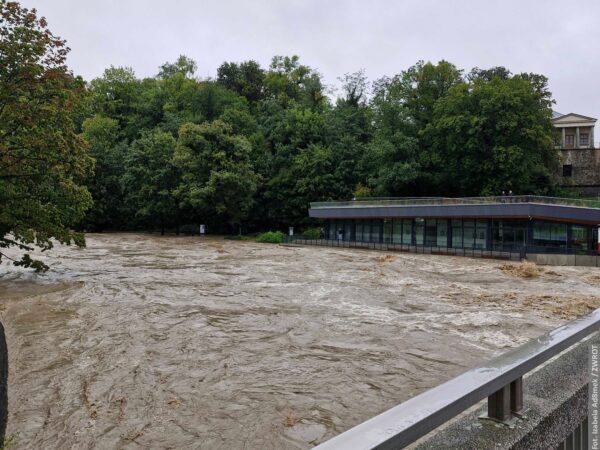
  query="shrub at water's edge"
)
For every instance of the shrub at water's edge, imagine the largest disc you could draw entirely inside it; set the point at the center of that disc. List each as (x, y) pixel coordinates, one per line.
(271, 237)
(312, 233)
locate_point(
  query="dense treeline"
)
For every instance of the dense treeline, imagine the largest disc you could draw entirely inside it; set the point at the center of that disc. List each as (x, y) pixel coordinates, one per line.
(249, 149)
(254, 146)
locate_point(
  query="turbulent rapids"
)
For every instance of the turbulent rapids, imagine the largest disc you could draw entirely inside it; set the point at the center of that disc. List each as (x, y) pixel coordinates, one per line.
(140, 341)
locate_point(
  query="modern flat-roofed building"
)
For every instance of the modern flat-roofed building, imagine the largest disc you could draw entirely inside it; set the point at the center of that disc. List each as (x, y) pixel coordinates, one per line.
(579, 156)
(526, 225)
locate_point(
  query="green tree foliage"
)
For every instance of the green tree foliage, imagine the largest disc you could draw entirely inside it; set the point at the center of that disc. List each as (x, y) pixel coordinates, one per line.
(102, 134)
(150, 179)
(185, 66)
(115, 95)
(422, 85)
(257, 145)
(42, 159)
(216, 175)
(494, 134)
(288, 80)
(247, 79)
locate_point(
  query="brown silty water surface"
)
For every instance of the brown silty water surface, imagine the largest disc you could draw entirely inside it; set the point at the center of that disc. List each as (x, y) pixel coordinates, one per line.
(141, 341)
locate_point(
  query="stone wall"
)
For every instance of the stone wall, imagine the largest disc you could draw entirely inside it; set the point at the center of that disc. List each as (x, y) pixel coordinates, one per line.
(586, 169)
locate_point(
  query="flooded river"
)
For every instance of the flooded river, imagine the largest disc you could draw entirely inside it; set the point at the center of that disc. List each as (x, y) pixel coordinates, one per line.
(142, 341)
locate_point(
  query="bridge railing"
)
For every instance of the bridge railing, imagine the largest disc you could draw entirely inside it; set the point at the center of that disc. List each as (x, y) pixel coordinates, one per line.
(500, 380)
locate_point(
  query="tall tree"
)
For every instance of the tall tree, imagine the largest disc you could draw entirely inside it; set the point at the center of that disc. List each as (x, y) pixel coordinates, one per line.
(492, 135)
(150, 180)
(115, 95)
(184, 66)
(216, 174)
(109, 153)
(246, 78)
(42, 160)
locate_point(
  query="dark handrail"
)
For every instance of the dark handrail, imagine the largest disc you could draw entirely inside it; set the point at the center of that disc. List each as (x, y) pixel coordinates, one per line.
(411, 420)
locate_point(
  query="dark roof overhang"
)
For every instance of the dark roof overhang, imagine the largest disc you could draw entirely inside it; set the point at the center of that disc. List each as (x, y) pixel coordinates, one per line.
(494, 211)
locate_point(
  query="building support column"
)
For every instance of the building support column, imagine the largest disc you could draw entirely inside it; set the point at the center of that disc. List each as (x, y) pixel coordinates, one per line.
(577, 137)
(564, 134)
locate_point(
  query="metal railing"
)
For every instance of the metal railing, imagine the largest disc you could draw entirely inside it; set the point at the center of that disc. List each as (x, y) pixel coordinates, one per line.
(515, 253)
(436, 201)
(500, 380)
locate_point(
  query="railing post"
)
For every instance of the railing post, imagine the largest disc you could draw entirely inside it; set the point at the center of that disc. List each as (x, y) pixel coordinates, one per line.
(506, 401)
(499, 404)
(516, 395)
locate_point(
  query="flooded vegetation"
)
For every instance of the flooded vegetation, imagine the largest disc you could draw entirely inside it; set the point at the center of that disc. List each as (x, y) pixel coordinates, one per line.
(140, 341)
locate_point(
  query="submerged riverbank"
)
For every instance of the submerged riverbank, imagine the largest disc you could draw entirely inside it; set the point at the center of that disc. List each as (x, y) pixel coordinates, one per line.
(189, 342)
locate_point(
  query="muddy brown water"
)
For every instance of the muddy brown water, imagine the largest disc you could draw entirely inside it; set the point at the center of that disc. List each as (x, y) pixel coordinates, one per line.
(142, 341)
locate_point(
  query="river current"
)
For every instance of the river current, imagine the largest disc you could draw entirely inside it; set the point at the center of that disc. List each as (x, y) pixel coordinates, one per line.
(142, 341)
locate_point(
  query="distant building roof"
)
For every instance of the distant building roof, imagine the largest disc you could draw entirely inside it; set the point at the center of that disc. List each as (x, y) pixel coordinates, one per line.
(556, 114)
(572, 119)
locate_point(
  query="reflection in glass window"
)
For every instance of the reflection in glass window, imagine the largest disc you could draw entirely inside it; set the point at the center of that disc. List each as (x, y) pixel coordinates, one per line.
(579, 237)
(387, 231)
(442, 233)
(358, 231)
(332, 230)
(376, 230)
(457, 237)
(419, 233)
(397, 231)
(468, 237)
(407, 231)
(547, 234)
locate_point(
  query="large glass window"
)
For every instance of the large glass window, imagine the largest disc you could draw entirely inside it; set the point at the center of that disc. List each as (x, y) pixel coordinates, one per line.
(480, 234)
(359, 230)
(442, 233)
(332, 230)
(468, 237)
(397, 231)
(376, 230)
(548, 234)
(407, 231)
(457, 233)
(508, 234)
(468, 233)
(348, 230)
(579, 237)
(387, 231)
(430, 233)
(367, 231)
(419, 231)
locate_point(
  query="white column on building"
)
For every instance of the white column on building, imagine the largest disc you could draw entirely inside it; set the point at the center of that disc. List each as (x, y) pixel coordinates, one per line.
(577, 137)
(592, 137)
(563, 143)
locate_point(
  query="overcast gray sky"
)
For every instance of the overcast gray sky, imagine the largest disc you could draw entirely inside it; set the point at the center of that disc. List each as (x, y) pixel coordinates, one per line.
(551, 37)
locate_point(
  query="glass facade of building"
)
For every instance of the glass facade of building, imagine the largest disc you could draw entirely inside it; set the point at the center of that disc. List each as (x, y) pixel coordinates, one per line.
(537, 236)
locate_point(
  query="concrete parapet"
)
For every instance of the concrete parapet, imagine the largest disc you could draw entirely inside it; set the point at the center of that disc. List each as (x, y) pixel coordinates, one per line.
(586, 260)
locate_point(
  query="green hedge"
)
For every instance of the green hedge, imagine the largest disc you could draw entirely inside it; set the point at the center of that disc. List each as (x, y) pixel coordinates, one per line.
(271, 237)
(312, 233)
